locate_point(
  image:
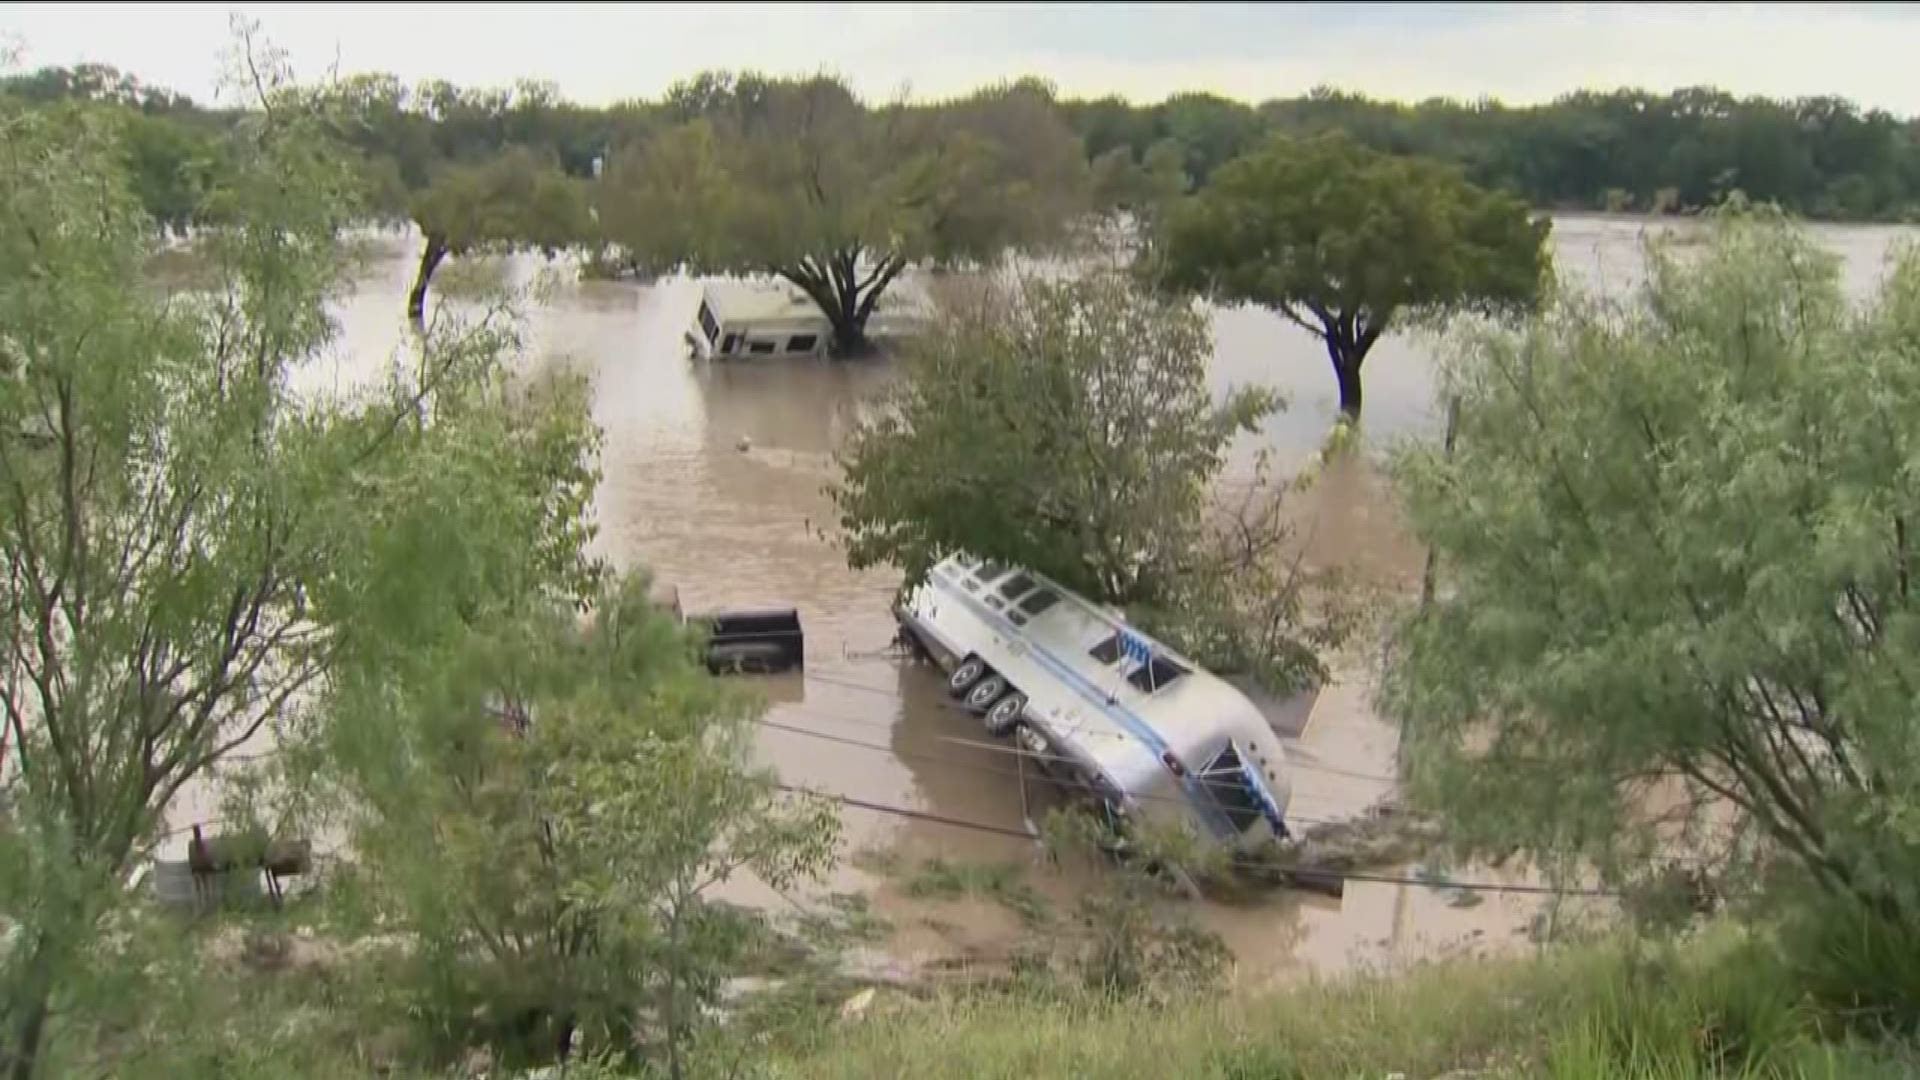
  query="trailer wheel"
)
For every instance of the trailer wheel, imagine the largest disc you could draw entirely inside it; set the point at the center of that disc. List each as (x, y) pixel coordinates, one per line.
(986, 692)
(1005, 714)
(966, 675)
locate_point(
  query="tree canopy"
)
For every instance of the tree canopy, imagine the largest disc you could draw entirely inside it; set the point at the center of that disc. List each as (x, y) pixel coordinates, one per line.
(544, 804)
(1067, 427)
(516, 199)
(193, 546)
(1621, 149)
(1064, 427)
(1346, 242)
(804, 181)
(1599, 150)
(1676, 617)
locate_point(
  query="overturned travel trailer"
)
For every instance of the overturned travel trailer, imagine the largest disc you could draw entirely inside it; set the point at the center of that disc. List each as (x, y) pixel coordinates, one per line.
(1147, 732)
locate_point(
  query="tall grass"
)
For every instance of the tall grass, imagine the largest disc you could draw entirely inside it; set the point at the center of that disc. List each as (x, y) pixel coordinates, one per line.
(1721, 1007)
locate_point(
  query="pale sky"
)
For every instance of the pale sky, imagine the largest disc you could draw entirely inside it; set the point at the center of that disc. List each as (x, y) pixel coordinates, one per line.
(597, 53)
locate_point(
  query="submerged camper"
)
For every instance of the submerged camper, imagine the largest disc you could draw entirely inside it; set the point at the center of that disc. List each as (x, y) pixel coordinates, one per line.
(741, 321)
(1147, 732)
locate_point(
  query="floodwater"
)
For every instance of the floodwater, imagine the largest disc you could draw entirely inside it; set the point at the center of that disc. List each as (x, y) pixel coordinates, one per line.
(713, 479)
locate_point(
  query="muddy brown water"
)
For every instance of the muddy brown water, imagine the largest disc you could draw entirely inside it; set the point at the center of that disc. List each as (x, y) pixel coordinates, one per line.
(713, 478)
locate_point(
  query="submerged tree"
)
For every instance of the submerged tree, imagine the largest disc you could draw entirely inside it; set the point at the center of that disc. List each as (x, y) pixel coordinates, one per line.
(1676, 604)
(515, 200)
(180, 526)
(1348, 242)
(803, 181)
(1067, 427)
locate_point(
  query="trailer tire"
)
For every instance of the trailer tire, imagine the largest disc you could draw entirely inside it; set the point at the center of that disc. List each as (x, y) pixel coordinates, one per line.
(965, 675)
(1005, 714)
(985, 692)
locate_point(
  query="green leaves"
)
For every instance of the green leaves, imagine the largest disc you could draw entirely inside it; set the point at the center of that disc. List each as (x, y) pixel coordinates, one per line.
(196, 549)
(1067, 426)
(1064, 426)
(1344, 241)
(801, 179)
(545, 803)
(517, 198)
(1673, 552)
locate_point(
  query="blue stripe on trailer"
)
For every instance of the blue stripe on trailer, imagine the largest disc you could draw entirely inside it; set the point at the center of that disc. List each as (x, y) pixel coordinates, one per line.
(1135, 724)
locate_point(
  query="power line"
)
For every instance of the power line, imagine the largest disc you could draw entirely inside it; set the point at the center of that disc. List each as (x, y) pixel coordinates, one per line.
(1019, 834)
(984, 827)
(905, 812)
(1292, 763)
(1342, 875)
(975, 767)
(274, 751)
(896, 695)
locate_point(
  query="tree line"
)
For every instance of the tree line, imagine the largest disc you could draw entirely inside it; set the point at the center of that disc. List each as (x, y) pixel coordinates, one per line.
(1618, 150)
(1625, 149)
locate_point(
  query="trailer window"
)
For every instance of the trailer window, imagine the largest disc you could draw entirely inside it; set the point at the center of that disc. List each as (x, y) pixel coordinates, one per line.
(985, 573)
(1157, 673)
(802, 342)
(1015, 586)
(708, 324)
(1036, 602)
(728, 346)
(1108, 650)
(1040, 601)
(760, 348)
(1225, 780)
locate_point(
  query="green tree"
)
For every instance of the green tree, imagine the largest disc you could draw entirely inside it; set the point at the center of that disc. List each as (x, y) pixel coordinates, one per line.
(1140, 188)
(543, 805)
(518, 199)
(172, 166)
(180, 529)
(1067, 427)
(661, 195)
(1345, 241)
(1209, 129)
(1675, 606)
(802, 181)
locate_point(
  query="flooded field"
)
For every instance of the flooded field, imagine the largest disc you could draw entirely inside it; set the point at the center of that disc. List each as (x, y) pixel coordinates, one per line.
(713, 483)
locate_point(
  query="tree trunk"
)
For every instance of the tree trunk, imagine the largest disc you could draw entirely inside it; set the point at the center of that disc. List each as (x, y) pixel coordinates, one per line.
(20, 1053)
(1347, 371)
(25, 1053)
(430, 259)
(834, 283)
(1349, 336)
(849, 335)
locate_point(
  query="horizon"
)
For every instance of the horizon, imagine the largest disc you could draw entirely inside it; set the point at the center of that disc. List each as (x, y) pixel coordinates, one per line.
(1142, 53)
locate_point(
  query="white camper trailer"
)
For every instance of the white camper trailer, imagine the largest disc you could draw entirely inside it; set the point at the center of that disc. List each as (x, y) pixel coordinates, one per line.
(740, 321)
(1148, 732)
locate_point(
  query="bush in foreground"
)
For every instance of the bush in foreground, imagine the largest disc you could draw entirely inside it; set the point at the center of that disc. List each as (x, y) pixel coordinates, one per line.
(1717, 1008)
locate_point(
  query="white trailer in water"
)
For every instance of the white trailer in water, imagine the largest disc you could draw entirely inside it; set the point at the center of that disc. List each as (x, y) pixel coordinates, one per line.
(744, 321)
(1148, 732)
